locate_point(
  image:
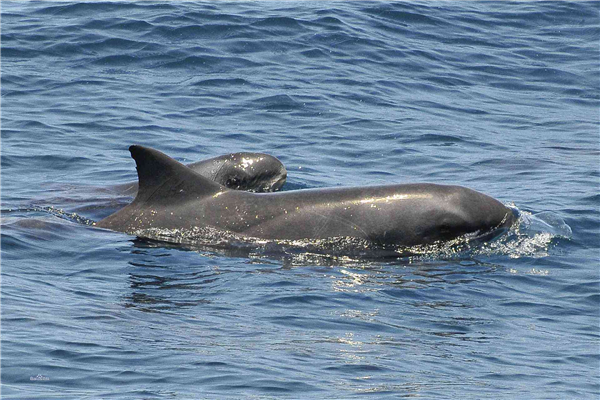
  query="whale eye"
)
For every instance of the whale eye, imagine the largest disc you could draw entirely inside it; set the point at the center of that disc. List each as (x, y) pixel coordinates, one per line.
(232, 182)
(445, 227)
(237, 182)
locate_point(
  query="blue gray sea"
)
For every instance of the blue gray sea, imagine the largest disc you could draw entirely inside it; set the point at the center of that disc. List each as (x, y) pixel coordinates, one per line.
(501, 97)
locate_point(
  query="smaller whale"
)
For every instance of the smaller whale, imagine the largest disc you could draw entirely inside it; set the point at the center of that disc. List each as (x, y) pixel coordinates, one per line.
(173, 196)
(253, 172)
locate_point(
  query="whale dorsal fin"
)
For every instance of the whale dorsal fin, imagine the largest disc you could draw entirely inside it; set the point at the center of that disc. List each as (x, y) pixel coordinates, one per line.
(164, 180)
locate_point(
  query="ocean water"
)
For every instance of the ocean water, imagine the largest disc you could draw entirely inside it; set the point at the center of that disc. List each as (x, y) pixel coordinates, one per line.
(496, 96)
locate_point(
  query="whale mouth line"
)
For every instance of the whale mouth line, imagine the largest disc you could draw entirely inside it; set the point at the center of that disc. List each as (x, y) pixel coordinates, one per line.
(277, 184)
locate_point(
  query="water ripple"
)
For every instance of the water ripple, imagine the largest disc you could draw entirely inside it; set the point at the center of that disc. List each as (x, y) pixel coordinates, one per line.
(499, 97)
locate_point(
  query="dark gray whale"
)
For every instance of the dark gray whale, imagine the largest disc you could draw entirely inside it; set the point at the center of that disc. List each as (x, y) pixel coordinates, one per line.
(173, 196)
(255, 172)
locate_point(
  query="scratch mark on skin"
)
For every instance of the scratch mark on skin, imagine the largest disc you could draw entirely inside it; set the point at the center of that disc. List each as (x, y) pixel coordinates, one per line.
(340, 219)
(387, 199)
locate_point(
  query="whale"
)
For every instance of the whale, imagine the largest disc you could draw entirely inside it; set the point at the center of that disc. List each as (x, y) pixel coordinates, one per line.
(174, 196)
(255, 172)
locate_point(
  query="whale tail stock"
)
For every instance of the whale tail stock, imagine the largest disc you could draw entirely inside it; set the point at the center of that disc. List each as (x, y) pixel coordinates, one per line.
(161, 178)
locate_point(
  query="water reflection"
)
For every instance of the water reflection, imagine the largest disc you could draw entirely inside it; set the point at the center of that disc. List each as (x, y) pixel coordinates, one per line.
(409, 273)
(159, 282)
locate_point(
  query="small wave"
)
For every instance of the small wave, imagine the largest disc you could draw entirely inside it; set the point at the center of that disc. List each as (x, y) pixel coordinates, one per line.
(210, 63)
(222, 82)
(403, 16)
(208, 31)
(47, 162)
(277, 103)
(20, 53)
(135, 26)
(85, 9)
(328, 21)
(314, 53)
(117, 60)
(57, 212)
(114, 44)
(285, 22)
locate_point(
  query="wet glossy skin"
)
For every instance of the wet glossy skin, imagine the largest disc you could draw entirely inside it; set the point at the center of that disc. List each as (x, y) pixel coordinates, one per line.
(406, 215)
(255, 172)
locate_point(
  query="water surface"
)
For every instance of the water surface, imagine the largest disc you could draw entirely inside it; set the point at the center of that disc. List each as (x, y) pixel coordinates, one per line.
(499, 97)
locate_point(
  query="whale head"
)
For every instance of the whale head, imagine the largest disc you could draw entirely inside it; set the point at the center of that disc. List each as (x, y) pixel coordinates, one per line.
(456, 211)
(255, 172)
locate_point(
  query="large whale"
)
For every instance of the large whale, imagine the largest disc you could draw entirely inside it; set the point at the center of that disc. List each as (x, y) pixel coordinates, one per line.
(255, 172)
(173, 196)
